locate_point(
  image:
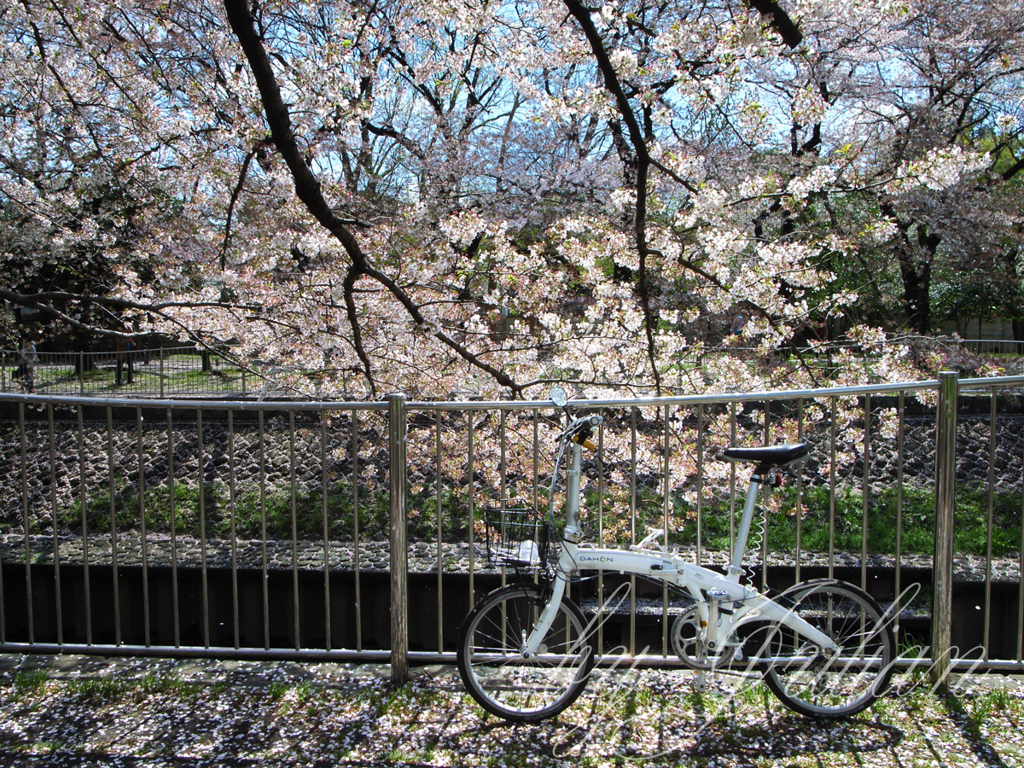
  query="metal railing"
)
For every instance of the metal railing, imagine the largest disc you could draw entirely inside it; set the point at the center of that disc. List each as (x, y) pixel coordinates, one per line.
(176, 372)
(352, 530)
(994, 346)
(160, 372)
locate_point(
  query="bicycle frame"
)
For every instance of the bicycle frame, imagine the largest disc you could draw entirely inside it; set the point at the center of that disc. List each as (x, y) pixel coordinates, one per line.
(708, 588)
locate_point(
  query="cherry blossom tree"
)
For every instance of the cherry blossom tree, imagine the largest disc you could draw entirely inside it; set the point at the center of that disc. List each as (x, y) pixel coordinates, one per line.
(927, 145)
(443, 195)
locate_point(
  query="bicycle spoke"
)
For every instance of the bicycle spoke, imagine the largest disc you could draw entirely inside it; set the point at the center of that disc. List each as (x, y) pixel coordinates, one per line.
(809, 683)
(494, 670)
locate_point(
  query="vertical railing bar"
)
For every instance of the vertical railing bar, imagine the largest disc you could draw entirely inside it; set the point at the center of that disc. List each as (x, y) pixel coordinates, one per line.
(667, 512)
(945, 505)
(116, 587)
(85, 528)
(832, 488)
(3, 594)
(865, 494)
(327, 534)
(536, 461)
(600, 525)
(58, 607)
(472, 513)
(632, 527)
(140, 450)
(764, 508)
(295, 529)
(1020, 585)
(26, 525)
(502, 454)
(232, 509)
(700, 484)
(732, 478)
(260, 437)
(502, 474)
(204, 568)
(438, 466)
(535, 483)
(397, 448)
(799, 488)
(993, 424)
(900, 437)
(175, 599)
(355, 530)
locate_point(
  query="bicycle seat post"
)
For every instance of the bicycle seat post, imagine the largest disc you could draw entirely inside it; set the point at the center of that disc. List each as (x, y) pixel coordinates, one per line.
(740, 546)
(766, 458)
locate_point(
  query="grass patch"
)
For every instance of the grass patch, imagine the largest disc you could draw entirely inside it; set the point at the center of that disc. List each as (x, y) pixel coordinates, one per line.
(274, 508)
(302, 513)
(159, 506)
(30, 680)
(818, 524)
(97, 691)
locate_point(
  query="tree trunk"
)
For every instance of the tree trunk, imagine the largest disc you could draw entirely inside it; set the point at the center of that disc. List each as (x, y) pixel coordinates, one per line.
(916, 259)
(916, 283)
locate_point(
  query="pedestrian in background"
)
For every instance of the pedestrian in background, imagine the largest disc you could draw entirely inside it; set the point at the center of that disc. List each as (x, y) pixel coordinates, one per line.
(27, 358)
(124, 357)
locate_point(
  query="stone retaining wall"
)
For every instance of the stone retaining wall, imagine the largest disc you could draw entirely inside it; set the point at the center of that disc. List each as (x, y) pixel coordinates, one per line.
(450, 558)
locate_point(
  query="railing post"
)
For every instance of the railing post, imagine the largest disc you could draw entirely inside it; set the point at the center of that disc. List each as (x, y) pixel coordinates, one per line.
(945, 502)
(81, 373)
(399, 554)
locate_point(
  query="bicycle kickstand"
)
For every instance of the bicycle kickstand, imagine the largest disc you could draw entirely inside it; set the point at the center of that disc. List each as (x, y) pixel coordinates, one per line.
(701, 683)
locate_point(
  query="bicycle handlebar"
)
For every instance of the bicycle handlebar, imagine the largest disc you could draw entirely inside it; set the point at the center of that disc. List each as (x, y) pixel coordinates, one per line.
(580, 430)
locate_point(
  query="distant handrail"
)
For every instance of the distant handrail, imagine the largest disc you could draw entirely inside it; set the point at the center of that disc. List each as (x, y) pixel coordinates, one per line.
(191, 372)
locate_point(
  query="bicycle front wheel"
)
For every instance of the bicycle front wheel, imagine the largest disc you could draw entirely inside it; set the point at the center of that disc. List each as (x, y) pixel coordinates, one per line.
(807, 681)
(491, 660)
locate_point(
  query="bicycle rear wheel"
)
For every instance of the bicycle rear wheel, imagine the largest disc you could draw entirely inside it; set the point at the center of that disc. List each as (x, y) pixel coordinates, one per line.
(492, 665)
(811, 684)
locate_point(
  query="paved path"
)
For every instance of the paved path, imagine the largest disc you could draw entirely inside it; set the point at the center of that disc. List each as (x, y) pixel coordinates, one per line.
(165, 713)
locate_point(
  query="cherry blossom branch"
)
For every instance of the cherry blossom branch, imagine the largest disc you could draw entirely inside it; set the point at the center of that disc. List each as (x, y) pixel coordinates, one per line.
(308, 190)
(643, 161)
(638, 138)
(353, 319)
(235, 194)
(780, 20)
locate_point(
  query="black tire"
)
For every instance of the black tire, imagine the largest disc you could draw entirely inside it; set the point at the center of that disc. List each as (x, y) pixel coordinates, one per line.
(807, 682)
(494, 671)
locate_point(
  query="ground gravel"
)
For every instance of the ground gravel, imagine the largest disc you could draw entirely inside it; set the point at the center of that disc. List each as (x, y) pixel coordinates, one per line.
(162, 713)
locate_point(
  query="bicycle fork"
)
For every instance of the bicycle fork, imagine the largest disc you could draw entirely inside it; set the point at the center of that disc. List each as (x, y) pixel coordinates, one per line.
(533, 642)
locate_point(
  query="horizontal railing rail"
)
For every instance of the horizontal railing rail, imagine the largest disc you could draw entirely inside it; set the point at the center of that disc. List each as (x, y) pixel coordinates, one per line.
(249, 528)
(190, 372)
(138, 372)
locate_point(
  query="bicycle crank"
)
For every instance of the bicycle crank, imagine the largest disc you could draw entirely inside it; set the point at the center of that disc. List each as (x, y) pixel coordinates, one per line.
(689, 643)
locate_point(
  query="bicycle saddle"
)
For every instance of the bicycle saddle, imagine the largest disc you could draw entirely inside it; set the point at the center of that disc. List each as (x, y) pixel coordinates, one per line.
(769, 455)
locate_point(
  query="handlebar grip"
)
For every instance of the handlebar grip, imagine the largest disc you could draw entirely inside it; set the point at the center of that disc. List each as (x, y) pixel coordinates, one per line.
(586, 442)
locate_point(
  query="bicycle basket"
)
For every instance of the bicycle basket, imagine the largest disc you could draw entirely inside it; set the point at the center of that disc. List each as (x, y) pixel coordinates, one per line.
(517, 536)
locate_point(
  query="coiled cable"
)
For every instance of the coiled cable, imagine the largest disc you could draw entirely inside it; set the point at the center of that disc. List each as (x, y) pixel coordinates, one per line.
(755, 540)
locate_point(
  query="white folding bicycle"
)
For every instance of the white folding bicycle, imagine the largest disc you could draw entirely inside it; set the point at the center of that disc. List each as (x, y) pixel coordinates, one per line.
(526, 651)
